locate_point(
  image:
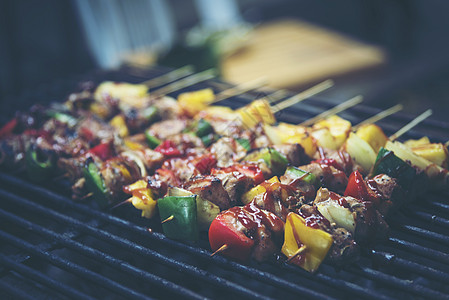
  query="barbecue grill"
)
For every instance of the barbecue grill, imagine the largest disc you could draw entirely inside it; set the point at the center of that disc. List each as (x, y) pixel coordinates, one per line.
(52, 247)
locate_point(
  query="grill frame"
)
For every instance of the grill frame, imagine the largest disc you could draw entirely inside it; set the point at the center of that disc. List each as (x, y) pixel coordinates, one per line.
(418, 271)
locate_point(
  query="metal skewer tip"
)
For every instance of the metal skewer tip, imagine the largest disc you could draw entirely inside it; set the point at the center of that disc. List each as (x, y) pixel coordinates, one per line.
(411, 124)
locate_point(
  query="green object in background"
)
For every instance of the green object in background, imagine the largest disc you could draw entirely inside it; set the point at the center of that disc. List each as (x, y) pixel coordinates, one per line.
(95, 183)
(181, 215)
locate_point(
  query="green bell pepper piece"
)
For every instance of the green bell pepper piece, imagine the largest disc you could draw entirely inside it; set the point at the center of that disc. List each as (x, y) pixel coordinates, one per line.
(95, 183)
(388, 163)
(209, 139)
(38, 166)
(245, 143)
(184, 225)
(152, 141)
(150, 113)
(203, 128)
(305, 176)
(275, 161)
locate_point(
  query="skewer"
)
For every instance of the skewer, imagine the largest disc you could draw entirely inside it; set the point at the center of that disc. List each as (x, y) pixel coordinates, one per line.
(303, 95)
(169, 77)
(298, 252)
(380, 116)
(411, 124)
(240, 89)
(446, 144)
(129, 200)
(185, 82)
(168, 219)
(88, 195)
(276, 96)
(221, 249)
(335, 110)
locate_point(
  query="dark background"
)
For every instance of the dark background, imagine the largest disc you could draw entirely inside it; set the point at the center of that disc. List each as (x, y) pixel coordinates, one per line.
(41, 41)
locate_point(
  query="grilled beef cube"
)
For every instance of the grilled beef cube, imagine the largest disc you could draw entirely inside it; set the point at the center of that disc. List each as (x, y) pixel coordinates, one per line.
(210, 188)
(227, 151)
(293, 152)
(341, 158)
(235, 184)
(12, 151)
(94, 130)
(389, 191)
(344, 248)
(73, 167)
(329, 176)
(167, 128)
(359, 217)
(186, 141)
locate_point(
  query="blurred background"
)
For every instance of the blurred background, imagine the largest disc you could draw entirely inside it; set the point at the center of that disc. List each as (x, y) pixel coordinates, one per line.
(391, 51)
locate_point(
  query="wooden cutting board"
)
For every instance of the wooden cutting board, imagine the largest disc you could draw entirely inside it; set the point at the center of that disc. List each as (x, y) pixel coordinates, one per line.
(290, 54)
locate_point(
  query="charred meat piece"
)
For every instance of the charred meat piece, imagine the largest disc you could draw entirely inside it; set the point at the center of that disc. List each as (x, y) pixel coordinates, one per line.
(211, 189)
(167, 108)
(227, 151)
(329, 176)
(167, 128)
(389, 191)
(339, 159)
(235, 184)
(293, 152)
(94, 130)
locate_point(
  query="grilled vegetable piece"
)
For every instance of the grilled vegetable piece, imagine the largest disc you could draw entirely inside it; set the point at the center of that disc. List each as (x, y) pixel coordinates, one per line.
(273, 159)
(314, 242)
(258, 111)
(152, 141)
(360, 152)
(247, 231)
(373, 135)
(194, 102)
(257, 190)
(39, 164)
(95, 182)
(435, 153)
(327, 174)
(331, 132)
(178, 214)
(206, 211)
(8, 128)
(119, 124)
(142, 198)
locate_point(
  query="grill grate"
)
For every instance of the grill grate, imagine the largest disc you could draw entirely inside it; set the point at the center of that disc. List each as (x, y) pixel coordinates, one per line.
(52, 247)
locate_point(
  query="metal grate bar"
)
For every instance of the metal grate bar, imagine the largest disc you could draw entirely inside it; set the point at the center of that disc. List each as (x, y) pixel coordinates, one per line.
(394, 261)
(96, 254)
(405, 285)
(56, 199)
(43, 279)
(122, 242)
(71, 267)
(14, 292)
(420, 250)
(427, 234)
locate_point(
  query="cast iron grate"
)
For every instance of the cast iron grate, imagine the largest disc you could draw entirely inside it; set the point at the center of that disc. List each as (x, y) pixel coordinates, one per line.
(52, 247)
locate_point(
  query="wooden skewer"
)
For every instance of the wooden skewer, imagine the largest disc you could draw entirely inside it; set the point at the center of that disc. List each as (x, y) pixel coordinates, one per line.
(411, 124)
(303, 95)
(335, 110)
(88, 195)
(380, 116)
(121, 203)
(240, 89)
(185, 82)
(169, 77)
(298, 252)
(221, 249)
(446, 144)
(168, 219)
(276, 96)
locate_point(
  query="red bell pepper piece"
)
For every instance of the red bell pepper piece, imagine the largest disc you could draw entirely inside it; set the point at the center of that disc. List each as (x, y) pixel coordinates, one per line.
(168, 148)
(8, 128)
(38, 133)
(205, 163)
(358, 189)
(103, 151)
(223, 232)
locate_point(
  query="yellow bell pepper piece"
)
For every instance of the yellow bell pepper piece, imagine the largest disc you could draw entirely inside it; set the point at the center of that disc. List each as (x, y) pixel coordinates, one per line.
(436, 153)
(133, 145)
(338, 128)
(297, 235)
(415, 143)
(194, 102)
(373, 135)
(128, 93)
(291, 134)
(119, 123)
(257, 190)
(142, 198)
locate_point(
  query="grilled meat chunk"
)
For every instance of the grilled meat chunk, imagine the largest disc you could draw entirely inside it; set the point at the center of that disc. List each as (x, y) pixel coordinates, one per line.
(167, 128)
(227, 151)
(293, 152)
(210, 188)
(329, 176)
(235, 184)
